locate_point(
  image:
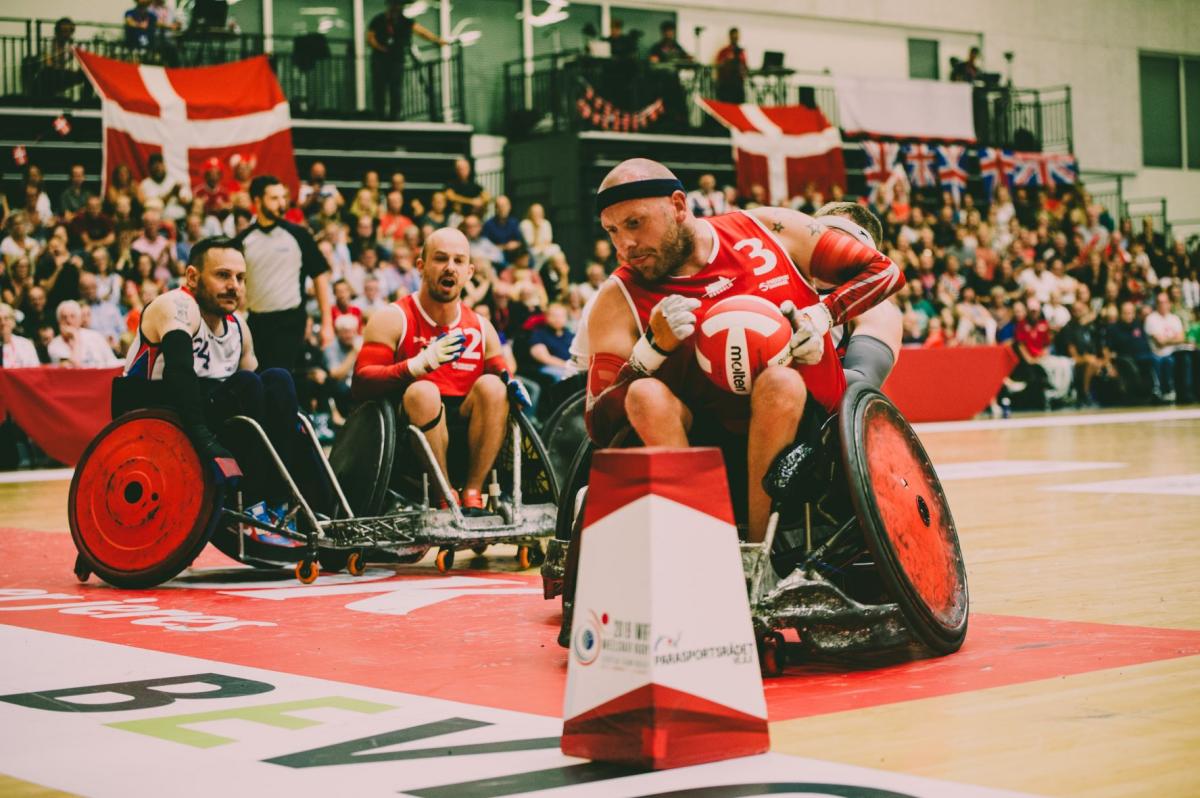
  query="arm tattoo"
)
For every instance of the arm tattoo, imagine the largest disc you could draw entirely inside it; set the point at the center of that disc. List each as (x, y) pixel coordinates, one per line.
(815, 230)
(181, 312)
(777, 227)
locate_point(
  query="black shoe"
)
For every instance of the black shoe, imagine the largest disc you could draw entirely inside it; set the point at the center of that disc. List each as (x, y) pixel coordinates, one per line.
(564, 631)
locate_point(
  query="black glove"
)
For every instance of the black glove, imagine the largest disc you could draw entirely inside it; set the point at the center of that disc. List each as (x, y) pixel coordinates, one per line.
(184, 393)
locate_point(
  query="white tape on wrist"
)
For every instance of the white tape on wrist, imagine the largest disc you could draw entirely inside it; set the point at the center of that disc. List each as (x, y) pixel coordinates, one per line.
(645, 358)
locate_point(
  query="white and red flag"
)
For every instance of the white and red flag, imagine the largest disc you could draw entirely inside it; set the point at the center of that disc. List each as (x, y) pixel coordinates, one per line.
(782, 148)
(191, 115)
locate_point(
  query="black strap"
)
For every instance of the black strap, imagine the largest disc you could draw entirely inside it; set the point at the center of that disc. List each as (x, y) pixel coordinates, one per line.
(436, 420)
(637, 189)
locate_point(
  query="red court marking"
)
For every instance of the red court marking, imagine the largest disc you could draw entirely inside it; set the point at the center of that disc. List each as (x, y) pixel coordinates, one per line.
(499, 651)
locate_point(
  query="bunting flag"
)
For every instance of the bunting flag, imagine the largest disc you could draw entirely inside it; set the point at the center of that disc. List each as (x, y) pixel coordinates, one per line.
(782, 148)
(996, 167)
(951, 172)
(601, 113)
(192, 115)
(1044, 169)
(881, 160)
(920, 161)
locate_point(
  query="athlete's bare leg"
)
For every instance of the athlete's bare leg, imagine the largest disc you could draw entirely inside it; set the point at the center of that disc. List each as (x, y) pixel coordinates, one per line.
(486, 408)
(776, 405)
(885, 322)
(422, 402)
(656, 413)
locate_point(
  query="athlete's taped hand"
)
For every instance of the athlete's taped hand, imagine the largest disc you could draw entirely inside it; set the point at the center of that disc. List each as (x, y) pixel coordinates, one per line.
(441, 351)
(809, 326)
(673, 321)
(516, 391)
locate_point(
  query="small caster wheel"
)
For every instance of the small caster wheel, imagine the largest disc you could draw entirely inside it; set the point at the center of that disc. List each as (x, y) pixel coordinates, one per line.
(82, 572)
(307, 571)
(479, 550)
(356, 564)
(445, 559)
(772, 656)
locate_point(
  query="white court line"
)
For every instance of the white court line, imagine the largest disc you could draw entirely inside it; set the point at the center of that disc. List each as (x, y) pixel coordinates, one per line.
(987, 469)
(1167, 485)
(36, 475)
(1065, 420)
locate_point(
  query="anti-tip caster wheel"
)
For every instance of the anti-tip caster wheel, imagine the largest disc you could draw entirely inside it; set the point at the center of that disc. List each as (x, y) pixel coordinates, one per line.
(356, 564)
(82, 572)
(479, 550)
(772, 656)
(445, 559)
(307, 571)
(530, 556)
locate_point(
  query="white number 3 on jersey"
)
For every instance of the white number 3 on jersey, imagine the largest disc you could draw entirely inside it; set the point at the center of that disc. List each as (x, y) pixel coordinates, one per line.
(755, 247)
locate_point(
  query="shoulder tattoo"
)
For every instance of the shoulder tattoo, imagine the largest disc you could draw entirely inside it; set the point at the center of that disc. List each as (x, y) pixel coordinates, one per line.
(777, 227)
(814, 229)
(181, 311)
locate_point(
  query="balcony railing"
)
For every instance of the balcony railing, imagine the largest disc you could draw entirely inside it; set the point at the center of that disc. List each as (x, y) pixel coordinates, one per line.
(544, 94)
(321, 77)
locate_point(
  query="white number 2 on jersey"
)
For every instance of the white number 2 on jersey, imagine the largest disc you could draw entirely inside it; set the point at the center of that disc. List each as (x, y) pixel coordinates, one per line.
(473, 348)
(755, 246)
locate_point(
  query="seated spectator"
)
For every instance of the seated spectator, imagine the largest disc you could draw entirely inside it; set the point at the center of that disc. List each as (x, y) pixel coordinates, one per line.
(935, 336)
(366, 203)
(371, 299)
(1056, 313)
(343, 295)
(481, 247)
(212, 191)
(20, 242)
(439, 214)
(1128, 347)
(75, 345)
(950, 284)
(193, 231)
(172, 192)
(975, 325)
(154, 242)
(538, 234)
(74, 196)
(502, 229)
(103, 317)
(316, 190)
(120, 184)
(340, 357)
(37, 208)
(1039, 280)
(366, 237)
(16, 281)
(393, 221)
(707, 200)
(16, 351)
(243, 174)
(593, 278)
(108, 282)
(463, 193)
(556, 276)
(35, 313)
(58, 271)
(1171, 350)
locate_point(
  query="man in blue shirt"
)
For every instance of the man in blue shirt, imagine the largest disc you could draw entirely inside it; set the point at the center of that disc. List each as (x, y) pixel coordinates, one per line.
(140, 24)
(550, 343)
(503, 230)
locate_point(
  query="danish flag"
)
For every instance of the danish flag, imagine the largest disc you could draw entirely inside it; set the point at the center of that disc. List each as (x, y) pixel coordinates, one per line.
(950, 168)
(919, 160)
(881, 159)
(191, 115)
(996, 168)
(781, 148)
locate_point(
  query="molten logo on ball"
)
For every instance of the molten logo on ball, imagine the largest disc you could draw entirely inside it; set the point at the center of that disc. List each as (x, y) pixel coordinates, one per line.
(738, 338)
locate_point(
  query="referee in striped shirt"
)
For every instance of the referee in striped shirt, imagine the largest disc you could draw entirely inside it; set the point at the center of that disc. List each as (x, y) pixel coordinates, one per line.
(279, 256)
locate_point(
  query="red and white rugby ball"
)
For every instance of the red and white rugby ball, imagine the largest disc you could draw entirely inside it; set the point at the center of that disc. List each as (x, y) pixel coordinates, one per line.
(738, 338)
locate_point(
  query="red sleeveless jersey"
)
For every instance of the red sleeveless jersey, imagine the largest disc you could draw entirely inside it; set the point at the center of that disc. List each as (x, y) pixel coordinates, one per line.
(454, 378)
(746, 259)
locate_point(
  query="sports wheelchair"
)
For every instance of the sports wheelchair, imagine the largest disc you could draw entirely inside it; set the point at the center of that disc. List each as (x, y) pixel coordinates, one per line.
(143, 503)
(861, 554)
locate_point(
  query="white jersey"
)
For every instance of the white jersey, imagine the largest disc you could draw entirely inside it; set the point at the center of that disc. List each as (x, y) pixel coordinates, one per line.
(580, 350)
(215, 356)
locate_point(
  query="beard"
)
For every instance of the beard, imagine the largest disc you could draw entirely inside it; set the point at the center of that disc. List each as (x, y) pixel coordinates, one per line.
(268, 214)
(676, 248)
(210, 303)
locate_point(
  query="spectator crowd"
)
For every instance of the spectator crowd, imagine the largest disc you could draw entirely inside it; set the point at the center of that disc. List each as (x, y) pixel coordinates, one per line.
(1099, 310)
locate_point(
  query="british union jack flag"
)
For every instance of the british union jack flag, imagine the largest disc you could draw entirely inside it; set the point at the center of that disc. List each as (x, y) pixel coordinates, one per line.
(996, 168)
(919, 160)
(951, 172)
(881, 159)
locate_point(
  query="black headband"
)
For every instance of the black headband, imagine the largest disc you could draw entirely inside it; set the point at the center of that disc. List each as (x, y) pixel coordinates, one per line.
(638, 189)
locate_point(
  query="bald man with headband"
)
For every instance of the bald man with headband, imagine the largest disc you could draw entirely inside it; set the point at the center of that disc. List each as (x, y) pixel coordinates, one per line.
(445, 364)
(674, 266)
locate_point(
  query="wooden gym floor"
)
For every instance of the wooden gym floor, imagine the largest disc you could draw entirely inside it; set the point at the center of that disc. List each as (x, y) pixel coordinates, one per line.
(1080, 675)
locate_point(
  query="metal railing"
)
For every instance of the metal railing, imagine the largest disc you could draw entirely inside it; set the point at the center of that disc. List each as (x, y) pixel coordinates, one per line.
(320, 76)
(1153, 207)
(1028, 120)
(547, 95)
(1186, 230)
(1106, 189)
